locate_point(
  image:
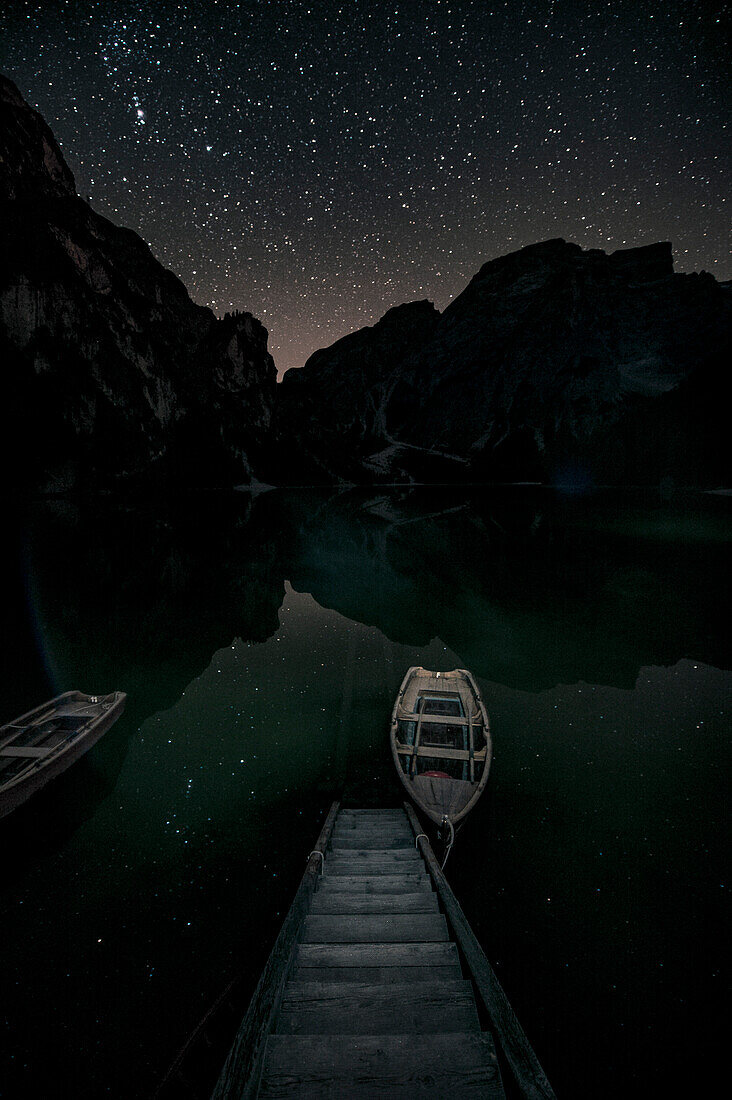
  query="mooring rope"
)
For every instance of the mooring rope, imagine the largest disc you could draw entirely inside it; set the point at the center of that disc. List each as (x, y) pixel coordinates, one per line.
(452, 840)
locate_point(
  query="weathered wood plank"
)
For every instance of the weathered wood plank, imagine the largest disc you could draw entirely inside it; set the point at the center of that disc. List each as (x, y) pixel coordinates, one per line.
(362, 843)
(368, 820)
(383, 1067)
(377, 975)
(377, 884)
(519, 1054)
(391, 811)
(333, 901)
(380, 1011)
(440, 751)
(441, 719)
(32, 752)
(240, 1075)
(372, 832)
(314, 991)
(423, 955)
(386, 928)
(349, 872)
(372, 822)
(360, 869)
(364, 855)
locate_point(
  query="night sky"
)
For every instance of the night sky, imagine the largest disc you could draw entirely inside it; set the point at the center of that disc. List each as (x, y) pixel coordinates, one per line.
(317, 163)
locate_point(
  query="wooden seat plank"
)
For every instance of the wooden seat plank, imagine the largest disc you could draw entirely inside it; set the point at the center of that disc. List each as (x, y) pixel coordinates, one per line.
(442, 719)
(31, 752)
(440, 751)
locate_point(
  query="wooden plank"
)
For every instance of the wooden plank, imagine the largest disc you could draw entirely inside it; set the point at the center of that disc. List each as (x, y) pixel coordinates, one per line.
(422, 955)
(377, 975)
(371, 811)
(387, 928)
(379, 884)
(240, 1075)
(358, 841)
(358, 870)
(29, 751)
(384, 1067)
(421, 901)
(400, 855)
(443, 751)
(519, 1054)
(316, 990)
(334, 884)
(370, 867)
(364, 868)
(381, 1011)
(372, 832)
(372, 822)
(438, 719)
(417, 735)
(361, 842)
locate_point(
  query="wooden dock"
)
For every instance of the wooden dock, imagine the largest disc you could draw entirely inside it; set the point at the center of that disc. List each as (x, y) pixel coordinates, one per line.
(369, 991)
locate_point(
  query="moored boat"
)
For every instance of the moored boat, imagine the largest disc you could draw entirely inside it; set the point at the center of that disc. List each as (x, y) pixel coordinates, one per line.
(44, 742)
(440, 740)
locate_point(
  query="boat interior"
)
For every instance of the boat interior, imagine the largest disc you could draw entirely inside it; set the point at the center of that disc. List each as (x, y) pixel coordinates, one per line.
(24, 744)
(439, 722)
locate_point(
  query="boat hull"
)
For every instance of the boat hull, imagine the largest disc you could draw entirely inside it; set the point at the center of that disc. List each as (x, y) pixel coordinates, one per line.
(86, 718)
(440, 741)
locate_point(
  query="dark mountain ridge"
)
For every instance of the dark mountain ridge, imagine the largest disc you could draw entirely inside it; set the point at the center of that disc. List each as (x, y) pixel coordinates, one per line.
(111, 374)
(554, 364)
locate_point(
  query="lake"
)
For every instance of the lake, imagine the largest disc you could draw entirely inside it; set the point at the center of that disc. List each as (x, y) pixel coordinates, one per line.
(261, 641)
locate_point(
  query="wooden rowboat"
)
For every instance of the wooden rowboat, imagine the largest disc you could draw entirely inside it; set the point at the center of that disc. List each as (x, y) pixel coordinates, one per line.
(43, 743)
(440, 739)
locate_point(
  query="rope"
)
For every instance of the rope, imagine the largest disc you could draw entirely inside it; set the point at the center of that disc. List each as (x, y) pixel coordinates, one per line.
(452, 840)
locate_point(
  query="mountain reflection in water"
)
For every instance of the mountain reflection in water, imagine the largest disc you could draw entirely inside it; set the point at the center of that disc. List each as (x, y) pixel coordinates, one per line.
(261, 642)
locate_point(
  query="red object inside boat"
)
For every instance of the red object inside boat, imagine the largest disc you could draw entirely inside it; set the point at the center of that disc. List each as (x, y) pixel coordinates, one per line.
(437, 775)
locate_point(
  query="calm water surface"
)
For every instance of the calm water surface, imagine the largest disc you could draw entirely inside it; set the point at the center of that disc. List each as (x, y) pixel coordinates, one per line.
(261, 644)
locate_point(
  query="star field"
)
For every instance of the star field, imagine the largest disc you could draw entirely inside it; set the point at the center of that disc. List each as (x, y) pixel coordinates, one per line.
(317, 163)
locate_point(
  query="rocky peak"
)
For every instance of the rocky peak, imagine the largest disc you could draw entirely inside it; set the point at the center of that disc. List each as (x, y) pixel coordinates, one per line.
(30, 158)
(109, 366)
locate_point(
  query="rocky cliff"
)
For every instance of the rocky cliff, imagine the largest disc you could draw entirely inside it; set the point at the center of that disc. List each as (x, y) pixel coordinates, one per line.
(111, 374)
(331, 415)
(553, 364)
